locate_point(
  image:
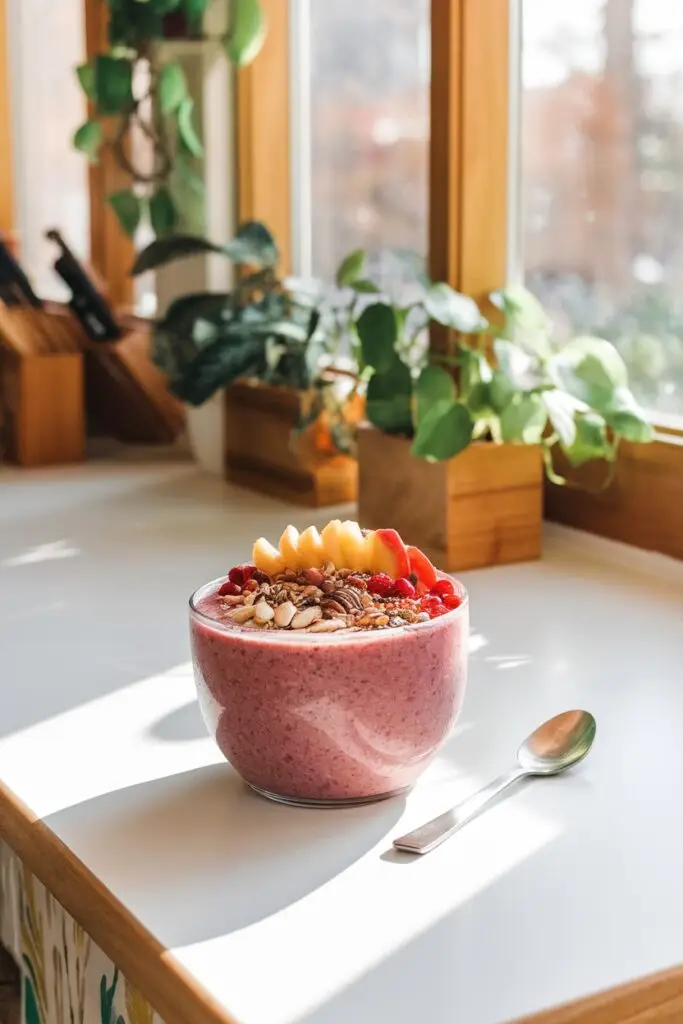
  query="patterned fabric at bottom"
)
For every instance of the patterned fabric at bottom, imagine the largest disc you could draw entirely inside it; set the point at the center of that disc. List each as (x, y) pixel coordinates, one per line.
(65, 977)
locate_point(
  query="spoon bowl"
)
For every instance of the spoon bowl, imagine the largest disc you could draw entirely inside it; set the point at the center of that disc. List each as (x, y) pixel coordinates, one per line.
(558, 744)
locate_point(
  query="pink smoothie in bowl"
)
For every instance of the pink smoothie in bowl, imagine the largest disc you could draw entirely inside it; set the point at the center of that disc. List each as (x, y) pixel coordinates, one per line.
(329, 715)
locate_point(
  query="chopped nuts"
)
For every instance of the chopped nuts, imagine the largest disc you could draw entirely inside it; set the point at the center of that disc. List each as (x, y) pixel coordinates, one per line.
(284, 613)
(327, 626)
(312, 591)
(307, 616)
(263, 612)
(232, 599)
(313, 576)
(242, 614)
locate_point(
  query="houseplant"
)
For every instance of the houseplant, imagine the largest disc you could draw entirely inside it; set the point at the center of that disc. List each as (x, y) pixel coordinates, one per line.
(270, 343)
(454, 452)
(133, 88)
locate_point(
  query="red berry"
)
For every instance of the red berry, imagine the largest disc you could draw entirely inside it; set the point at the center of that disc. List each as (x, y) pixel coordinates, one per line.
(239, 574)
(432, 605)
(380, 584)
(402, 588)
(356, 581)
(229, 588)
(443, 587)
(452, 600)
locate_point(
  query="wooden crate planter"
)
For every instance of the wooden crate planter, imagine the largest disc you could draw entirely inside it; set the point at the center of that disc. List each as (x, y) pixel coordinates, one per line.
(483, 507)
(260, 455)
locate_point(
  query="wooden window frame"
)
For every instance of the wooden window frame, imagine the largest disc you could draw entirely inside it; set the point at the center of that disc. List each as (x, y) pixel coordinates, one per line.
(468, 225)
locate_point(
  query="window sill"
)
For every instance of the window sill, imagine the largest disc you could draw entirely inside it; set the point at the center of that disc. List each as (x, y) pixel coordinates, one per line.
(643, 505)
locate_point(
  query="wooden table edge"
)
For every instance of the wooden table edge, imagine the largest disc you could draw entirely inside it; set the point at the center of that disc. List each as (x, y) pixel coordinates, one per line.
(176, 995)
(165, 984)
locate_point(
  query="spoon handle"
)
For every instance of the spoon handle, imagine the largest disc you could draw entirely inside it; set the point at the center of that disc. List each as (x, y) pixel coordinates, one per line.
(430, 835)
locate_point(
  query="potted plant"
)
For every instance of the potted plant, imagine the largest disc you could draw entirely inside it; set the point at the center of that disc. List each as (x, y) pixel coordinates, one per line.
(134, 86)
(270, 343)
(454, 450)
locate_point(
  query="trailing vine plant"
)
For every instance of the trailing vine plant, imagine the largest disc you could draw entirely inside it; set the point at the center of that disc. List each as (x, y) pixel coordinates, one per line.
(135, 94)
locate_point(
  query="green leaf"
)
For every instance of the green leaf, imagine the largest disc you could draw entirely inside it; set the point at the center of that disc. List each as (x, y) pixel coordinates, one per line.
(172, 87)
(86, 77)
(526, 322)
(562, 409)
(166, 250)
(254, 245)
(627, 419)
(128, 209)
(590, 369)
(113, 84)
(444, 432)
(434, 385)
(501, 391)
(186, 130)
(452, 309)
(88, 139)
(247, 32)
(163, 212)
(518, 366)
(378, 333)
(478, 400)
(590, 441)
(388, 399)
(352, 268)
(217, 366)
(523, 420)
(473, 370)
(365, 287)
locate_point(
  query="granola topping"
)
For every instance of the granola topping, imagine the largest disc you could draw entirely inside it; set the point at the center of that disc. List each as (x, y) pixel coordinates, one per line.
(325, 600)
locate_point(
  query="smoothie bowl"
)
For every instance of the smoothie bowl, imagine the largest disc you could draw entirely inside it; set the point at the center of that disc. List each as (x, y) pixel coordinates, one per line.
(330, 669)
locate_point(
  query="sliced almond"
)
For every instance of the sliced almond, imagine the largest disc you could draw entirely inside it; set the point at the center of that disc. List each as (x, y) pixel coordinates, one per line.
(242, 614)
(327, 626)
(263, 612)
(284, 613)
(307, 616)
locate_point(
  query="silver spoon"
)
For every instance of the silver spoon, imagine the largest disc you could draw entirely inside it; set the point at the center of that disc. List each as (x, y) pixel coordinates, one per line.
(557, 744)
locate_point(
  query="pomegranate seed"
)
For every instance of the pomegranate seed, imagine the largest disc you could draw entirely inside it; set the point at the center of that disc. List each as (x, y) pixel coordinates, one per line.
(380, 584)
(452, 600)
(443, 587)
(357, 581)
(239, 574)
(402, 588)
(229, 588)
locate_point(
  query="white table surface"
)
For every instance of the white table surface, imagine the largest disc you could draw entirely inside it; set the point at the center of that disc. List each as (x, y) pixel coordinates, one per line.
(568, 886)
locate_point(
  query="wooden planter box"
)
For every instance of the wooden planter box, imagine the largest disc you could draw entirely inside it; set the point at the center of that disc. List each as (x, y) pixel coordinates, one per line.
(484, 507)
(259, 453)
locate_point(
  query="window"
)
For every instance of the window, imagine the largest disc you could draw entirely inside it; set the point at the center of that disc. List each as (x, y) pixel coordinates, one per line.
(362, 91)
(602, 179)
(46, 41)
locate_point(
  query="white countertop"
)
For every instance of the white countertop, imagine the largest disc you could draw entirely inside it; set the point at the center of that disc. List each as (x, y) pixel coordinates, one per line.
(568, 886)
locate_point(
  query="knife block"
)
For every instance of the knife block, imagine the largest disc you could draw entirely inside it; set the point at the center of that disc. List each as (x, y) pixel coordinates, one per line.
(42, 417)
(127, 395)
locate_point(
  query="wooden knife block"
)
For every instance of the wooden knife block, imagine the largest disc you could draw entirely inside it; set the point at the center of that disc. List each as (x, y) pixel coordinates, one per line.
(42, 418)
(126, 394)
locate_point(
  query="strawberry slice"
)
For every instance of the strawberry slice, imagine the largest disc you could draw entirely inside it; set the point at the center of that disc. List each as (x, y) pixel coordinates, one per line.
(390, 554)
(421, 567)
